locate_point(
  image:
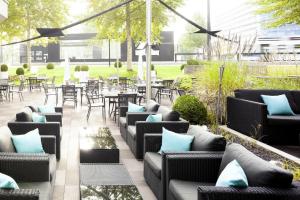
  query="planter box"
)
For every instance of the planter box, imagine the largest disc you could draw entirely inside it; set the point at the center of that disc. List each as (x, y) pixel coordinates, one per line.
(3, 75)
(83, 76)
(191, 69)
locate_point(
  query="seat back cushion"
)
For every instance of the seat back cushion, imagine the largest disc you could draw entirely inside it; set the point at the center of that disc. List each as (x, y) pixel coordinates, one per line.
(296, 96)
(168, 114)
(6, 144)
(25, 115)
(206, 141)
(259, 172)
(255, 95)
(152, 106)
(34, 109)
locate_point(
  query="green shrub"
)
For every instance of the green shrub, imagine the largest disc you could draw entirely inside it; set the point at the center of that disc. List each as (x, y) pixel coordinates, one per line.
(185, 83)
(182, 67)
(193, 62)
(84, 68)
(77, 68)
(20, 71)
(50, 66)
(25, 66)
(118, 64)
(191, 109)
(152, 67)
(4, 68)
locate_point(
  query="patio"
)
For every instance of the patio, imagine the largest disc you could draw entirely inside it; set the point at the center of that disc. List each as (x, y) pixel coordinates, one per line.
(67, 174)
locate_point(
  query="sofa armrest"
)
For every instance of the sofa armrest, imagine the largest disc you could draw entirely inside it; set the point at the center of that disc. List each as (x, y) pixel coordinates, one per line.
(152, 142)
(132, 118)
(49, 144)
(20, 194)
(193, 166)
(123, 111)
(59, 110)
(247, 117)
(249, 193)
(48, 128)
(25, 167)
(54, 117)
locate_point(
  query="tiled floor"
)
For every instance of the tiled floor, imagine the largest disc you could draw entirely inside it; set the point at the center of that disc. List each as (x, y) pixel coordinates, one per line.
(67, 178)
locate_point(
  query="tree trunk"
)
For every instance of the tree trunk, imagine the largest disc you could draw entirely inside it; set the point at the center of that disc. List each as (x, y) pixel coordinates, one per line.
(129, 38)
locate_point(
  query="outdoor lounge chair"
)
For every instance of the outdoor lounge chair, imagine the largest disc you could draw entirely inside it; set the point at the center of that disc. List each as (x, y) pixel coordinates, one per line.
(192, 177)
(246, 113)
(154, 163)
(150, 108)
(138, 127)
(34, 173)
(23, 123)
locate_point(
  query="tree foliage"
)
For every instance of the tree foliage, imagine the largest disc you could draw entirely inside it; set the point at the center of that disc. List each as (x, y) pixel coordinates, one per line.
(27, 15)
(282, 11)
(129, 22)
(191, 41)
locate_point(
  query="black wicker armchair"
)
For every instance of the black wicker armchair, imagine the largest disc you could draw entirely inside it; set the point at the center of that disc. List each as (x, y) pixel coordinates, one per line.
(34, 173)
(151, 108)
(154, 163)
(22, 125)
(193, 176)
(138, 127)
(246, 113)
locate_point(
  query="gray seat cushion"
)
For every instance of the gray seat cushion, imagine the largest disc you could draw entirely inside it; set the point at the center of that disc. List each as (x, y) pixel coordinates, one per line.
(152, 106)
(44, 188)
(284, 120)
(123, 122)
(155, 162)
(25, 115)
(259, 172)
(185, 190)
(168, 114)
(6, 144)
(52, 167)
(206, 141)
(132, 131)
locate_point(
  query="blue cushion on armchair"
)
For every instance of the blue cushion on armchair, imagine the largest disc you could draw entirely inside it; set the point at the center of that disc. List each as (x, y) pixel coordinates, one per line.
(277, 105)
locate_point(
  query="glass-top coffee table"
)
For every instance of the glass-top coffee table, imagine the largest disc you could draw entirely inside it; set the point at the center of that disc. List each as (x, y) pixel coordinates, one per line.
(97, 145)
(106, 181)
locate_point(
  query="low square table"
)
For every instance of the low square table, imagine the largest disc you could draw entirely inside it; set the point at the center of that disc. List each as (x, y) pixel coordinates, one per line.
(97, 145)
(106, 181)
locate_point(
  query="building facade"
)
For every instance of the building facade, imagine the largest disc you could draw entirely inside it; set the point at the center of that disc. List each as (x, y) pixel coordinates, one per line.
(3, 10)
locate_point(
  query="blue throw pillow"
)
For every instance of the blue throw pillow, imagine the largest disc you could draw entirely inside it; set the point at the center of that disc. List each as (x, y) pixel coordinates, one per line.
(154, 118)
(232, 176)
(28, 143)
(135, 108)
(7, 182)
(175, 142)
(36, 117)
(46, 109)
(277, 105)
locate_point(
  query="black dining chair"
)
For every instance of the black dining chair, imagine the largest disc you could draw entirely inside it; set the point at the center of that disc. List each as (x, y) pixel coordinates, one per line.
(34, 83)
(50, 91)
(95, 103)
(123, 100)
(69, 93)
(17, 90)
(123, 83)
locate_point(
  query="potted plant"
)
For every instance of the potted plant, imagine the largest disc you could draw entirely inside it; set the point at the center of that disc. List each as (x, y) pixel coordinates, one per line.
(77, 71)
(191, 109)
(25, 66)
(50, 66)
(4, 72)
(84, 73)
(191, 67)
(20, 71)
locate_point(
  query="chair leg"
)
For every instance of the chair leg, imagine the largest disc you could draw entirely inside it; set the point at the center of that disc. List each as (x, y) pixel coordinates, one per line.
(20, 97)
(88, 114)
(56, 99)
(46, 99)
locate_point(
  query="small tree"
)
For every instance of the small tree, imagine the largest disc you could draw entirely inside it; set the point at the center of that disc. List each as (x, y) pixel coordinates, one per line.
(50, 66)
(20, 71)
(77, 68)
(191, 109)
(193, 62)
(118, 64)
(25, 66)
(84, 68)
(4, 68)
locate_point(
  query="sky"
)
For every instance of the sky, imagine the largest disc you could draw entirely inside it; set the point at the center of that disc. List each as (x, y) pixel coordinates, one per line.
(189, 9)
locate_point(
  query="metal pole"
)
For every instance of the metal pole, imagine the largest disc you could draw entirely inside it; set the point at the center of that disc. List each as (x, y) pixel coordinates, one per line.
(148, 50)
(208, 29)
